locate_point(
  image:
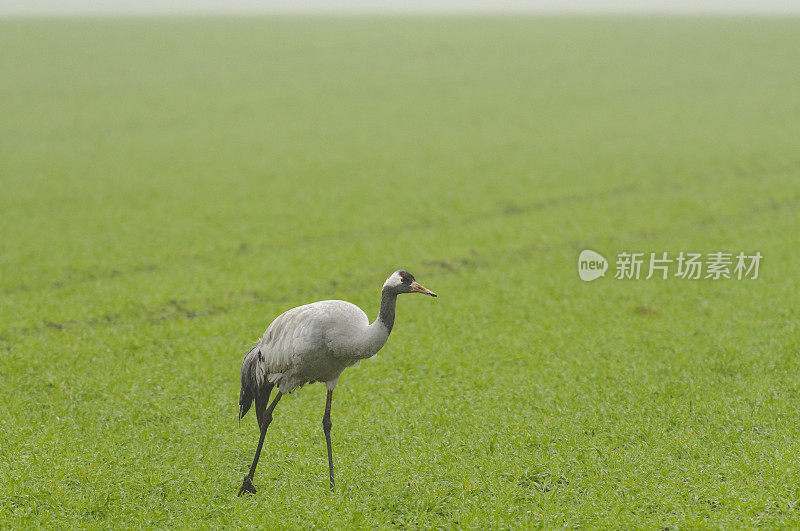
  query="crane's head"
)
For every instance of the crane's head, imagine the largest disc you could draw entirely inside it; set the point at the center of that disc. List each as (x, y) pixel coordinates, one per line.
(402, 281)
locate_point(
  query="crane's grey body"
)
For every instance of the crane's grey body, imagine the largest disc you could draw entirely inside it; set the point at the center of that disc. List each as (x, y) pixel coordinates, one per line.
(315, 343)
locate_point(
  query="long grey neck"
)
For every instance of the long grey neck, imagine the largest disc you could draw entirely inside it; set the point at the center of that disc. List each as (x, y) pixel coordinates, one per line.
(386, 315)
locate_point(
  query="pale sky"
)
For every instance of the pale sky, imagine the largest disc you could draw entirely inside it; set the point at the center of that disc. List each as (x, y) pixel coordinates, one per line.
(117, 7)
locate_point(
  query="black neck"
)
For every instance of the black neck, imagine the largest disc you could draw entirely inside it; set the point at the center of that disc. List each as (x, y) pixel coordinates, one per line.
(386, 315)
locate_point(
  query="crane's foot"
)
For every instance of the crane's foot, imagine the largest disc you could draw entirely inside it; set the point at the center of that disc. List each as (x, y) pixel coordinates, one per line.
(247, 486)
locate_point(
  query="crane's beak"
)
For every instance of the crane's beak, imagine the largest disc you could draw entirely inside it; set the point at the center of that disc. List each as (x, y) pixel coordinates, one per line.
(419, 288)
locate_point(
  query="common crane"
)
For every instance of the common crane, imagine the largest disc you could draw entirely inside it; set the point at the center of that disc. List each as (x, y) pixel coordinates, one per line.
(314, 343)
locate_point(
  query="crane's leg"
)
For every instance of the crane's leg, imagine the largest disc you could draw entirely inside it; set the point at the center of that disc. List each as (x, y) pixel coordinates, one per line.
(326, 426)
(247, 484)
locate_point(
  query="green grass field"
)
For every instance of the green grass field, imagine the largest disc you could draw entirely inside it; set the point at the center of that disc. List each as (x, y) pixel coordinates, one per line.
(169, 186)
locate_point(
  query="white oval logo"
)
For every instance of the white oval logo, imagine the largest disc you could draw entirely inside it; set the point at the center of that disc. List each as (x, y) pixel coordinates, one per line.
(591, 265)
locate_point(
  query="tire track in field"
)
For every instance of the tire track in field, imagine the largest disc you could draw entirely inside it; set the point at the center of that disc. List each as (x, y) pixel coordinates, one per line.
(181, 308)
(79, 277)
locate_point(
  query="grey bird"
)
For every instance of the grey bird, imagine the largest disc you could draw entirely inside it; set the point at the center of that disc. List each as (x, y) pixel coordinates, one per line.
(314, 343)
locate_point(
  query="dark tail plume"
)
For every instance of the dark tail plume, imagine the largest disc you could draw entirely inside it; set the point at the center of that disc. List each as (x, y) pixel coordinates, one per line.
(252, 389)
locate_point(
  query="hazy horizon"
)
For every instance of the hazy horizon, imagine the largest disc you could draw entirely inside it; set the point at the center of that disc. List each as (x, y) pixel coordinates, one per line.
(136, 7)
